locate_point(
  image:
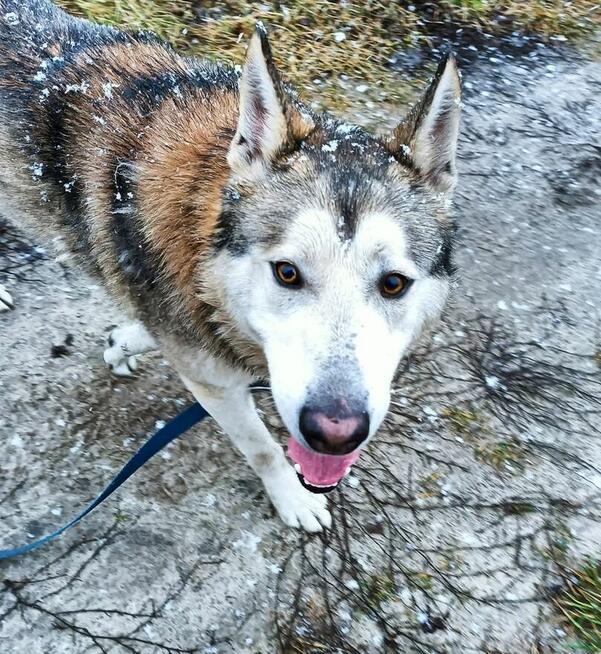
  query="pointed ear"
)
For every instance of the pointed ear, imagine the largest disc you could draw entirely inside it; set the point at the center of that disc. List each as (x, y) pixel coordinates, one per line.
(268, 124)
(427, 137)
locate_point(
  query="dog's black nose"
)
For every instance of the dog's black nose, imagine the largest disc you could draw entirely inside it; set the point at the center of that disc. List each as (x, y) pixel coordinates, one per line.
(334, 429)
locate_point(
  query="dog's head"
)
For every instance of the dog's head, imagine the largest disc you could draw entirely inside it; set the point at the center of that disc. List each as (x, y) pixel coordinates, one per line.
(337, 247)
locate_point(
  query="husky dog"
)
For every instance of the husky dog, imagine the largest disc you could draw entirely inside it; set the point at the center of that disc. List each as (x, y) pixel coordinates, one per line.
(247, 236)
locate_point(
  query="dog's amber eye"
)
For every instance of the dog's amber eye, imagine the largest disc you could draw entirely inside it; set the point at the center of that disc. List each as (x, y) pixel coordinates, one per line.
(394, 284)
(287, 274)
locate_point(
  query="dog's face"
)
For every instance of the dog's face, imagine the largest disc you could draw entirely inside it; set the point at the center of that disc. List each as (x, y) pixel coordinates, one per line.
(337, 246)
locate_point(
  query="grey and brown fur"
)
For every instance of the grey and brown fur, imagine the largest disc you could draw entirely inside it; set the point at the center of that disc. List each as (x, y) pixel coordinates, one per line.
(121, 150)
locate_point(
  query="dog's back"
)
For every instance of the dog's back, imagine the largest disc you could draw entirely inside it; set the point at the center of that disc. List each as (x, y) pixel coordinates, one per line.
(114, 142)
(39, 43)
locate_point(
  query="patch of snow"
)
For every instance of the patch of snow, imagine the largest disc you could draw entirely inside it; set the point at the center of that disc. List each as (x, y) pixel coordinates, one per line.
(74, 88)
(345, 614)
(353, 482)
(12, 18)
(422, 617)
(16, 441)
(345, 128)
(492, 381)
(107, 89)
(37, 169)
(273, 568)
(247, 541)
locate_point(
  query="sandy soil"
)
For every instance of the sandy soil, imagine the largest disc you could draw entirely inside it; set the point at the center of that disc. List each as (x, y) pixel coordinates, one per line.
(447, 536)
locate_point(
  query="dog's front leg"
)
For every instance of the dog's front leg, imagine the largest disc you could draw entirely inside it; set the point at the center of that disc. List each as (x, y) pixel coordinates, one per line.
(233, 408)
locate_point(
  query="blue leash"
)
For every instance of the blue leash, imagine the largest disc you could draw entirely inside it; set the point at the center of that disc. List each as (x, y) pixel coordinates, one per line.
(176, 427)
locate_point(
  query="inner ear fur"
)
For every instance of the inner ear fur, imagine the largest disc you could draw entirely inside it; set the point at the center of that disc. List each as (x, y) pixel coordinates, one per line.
(269, 122)
(427, 137)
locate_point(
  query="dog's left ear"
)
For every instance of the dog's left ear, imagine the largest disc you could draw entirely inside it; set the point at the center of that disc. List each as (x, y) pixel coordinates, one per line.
(427, 137)
(268, 123)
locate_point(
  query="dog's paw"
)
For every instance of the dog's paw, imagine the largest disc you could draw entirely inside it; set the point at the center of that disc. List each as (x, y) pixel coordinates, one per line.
(124, 367)
(297, 506)
(6, 300)
(119, 361)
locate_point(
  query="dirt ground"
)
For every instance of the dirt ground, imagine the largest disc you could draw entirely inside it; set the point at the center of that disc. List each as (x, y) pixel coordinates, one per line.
(450, 535)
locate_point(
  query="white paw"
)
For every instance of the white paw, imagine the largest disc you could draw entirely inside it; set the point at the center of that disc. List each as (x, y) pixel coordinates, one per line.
(116, 358)
(6, 300)
(297, 506)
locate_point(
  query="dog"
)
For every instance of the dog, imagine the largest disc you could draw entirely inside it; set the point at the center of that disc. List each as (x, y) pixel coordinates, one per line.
(247, 236)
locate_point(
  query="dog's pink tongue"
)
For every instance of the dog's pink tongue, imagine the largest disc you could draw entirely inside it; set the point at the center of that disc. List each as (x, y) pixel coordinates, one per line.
(320, 469)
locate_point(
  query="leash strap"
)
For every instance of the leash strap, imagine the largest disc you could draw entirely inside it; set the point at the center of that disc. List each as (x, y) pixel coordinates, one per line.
(174, 428)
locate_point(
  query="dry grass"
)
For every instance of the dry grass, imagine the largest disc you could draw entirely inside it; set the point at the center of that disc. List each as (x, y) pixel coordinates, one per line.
(547, 18)
(330, 48)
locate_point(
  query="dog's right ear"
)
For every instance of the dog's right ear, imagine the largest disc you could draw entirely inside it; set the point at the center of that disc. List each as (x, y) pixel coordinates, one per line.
(267, 123)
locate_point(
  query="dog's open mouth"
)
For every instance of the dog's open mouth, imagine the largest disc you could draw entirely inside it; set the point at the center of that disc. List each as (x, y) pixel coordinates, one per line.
(319, 473)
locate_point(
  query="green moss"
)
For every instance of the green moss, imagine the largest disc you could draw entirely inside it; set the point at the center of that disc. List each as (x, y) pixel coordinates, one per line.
(519, 508)
(463, 421)
(475, 430)
(430, 485)
(422, 580)
(559, 545)
(500, 455)
(380, 588)
(580, 605)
